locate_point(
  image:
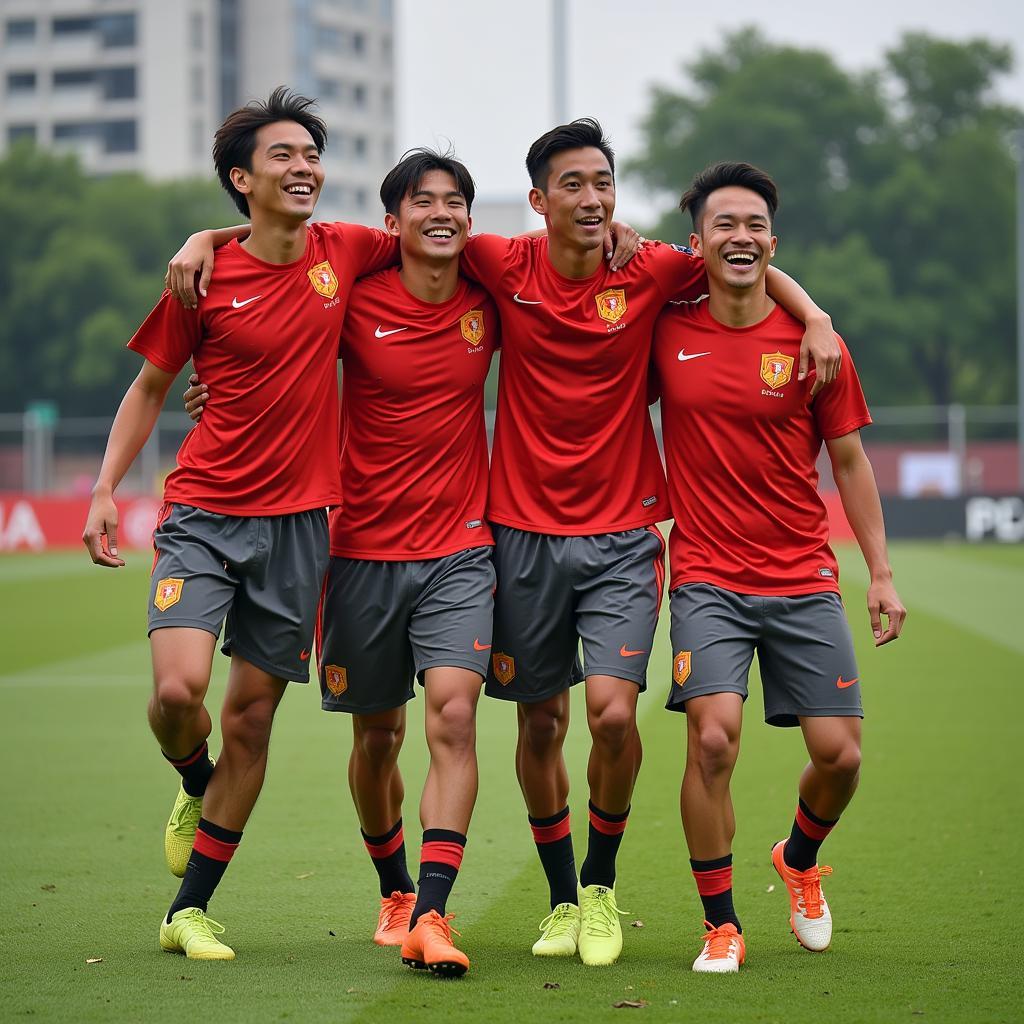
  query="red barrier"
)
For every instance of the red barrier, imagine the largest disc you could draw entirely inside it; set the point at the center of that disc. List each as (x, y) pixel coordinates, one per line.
(839, 528)
(32, 523)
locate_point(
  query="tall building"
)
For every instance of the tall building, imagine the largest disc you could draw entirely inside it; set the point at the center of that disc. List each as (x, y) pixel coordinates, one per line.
(141, 85)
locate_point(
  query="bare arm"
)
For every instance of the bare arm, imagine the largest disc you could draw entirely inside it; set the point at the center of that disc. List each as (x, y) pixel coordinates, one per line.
(819, 342)
(856, 482)
(132, 426)
(196, 256)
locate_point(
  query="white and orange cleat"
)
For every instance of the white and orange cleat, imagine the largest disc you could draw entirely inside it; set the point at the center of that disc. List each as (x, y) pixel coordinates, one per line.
(724, 950)
(809, 916)
(393, 923)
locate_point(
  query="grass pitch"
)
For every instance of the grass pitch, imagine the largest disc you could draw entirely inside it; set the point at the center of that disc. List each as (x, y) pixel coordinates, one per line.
(925, 895)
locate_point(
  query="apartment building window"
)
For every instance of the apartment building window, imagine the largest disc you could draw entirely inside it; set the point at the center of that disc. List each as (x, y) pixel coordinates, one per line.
(114, 136)
(118, 83)
(21, 30)
(359, 147)
(385, 8)
(16, 132)
(359, 95)
(196, 29)
(361, 199)
(358, 43)
(21, 83)
(64, 27)
(328, 88)
(74, 79)
(328, 37)
(116, 30)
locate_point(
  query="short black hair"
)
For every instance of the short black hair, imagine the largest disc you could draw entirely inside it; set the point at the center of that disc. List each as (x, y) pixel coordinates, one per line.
(407, 175)
(579, 134)
(724, 175)
(235, 141)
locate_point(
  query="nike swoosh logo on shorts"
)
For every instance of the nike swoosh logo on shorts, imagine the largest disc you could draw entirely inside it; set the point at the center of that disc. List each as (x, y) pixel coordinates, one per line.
(383, 334)
(245, 302)
(844, 683)
(696, 355)
(629, 654)
(303, 655)
(477, 646)
(527, 302)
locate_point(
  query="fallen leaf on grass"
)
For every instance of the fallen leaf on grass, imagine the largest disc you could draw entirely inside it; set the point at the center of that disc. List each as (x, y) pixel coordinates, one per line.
(551, 984)
(629, 1004)
(94, 960)
(48, 888)
(771, 888)
(637, 924)
(329, 932)
(306, 874)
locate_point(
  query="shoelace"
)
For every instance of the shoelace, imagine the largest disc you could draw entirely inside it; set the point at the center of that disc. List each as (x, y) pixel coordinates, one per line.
(808, 890)
(187, 815)
(396, 904)
(558, 922)
(206, 926)
(435, 920)
(603, 902)
(718, 942)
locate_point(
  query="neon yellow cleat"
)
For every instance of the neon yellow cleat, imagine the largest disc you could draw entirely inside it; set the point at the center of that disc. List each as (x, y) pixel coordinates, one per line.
(560, 932)
(600, 934)
(180, 833)
(191, 932)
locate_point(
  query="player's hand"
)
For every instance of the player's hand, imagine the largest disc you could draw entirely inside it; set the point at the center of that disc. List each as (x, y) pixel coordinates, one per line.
(100, 536)
(883, 600)
(194, 257)
(621, 244)
(195, 397)
(819, 343)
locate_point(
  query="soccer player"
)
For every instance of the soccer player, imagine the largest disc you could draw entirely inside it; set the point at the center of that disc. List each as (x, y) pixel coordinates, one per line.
(751, 567)
(576, 488)
(243, 532)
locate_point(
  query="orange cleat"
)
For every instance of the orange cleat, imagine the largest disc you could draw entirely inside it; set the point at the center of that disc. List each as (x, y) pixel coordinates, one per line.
(393, 923)
(429, 947)
(809, 916)
(724, 950)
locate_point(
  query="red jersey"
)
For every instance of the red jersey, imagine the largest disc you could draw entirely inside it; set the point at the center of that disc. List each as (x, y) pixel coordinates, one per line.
(413, 437)
(574, 449)
(742, 437)
(265, 340)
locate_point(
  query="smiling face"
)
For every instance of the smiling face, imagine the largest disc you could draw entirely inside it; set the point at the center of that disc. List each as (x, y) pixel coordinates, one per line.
(735, 237)
(433, 220)
(579, 199)
(286, 175)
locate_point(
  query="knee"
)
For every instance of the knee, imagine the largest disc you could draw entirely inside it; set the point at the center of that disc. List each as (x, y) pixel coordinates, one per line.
(454, 724)
(379, 744)
(713, 749)
(614, 726)
(842, 761)
(248, 728)
(175, 697)
(542, 729)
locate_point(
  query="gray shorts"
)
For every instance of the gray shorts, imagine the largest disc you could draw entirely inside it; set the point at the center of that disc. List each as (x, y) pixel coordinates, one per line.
(553, 592)
(803, 644)
(384, 623)
(263, 573)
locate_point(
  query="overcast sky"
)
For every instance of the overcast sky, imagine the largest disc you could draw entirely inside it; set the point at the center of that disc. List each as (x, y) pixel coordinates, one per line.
(477, 72)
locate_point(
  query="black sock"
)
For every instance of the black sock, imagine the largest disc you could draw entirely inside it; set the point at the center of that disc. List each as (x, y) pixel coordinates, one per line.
(388, 855)
(604, 837)
(214, 847)
(714, 884)
(809, 832)
(554, 847)
(440, 858)
(195, 769)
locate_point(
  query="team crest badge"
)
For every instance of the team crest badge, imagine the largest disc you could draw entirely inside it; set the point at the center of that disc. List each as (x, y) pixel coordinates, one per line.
(681, 667)
(336, 679)
(776, 369)
(472, 325)
(322, 278)
(168, 592)
(611, 304)
(504, 666)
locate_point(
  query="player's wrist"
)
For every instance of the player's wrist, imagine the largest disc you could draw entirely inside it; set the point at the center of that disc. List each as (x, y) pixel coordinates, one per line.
(882, 574)
(102, 489)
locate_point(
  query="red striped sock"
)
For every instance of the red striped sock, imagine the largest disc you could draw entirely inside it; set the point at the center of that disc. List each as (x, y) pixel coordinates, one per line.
(714, 885)
(440, 860)
(603, 839)
(808, 833)
(387, 852)
(553, 837)
(211, 853)
(195, 769)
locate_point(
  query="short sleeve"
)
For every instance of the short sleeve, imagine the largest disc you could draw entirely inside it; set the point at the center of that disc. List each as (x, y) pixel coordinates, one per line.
(371, 249)
(840, 407)
(678, 271)
(169, 335)
(486, 258)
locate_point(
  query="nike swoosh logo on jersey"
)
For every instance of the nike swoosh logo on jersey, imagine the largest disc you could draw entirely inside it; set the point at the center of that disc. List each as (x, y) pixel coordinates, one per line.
(629, 654)
(383, 334)
(844, 683)
(477, 646)
(696, 355)
(245, 302)
(527, 302)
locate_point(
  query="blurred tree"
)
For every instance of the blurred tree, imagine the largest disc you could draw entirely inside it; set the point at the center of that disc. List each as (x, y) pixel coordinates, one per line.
(897, 189)
(82, 264)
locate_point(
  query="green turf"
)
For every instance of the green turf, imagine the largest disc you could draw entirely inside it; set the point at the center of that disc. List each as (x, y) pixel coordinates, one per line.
(925, 894)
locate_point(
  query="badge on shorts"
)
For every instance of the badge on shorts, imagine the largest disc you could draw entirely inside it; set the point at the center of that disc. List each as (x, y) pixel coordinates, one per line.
(681, 667)
(472, 325)
(322, 278)
(336, 679)
(611, 304)
(504, 666)
(776, 369)
(168, 592)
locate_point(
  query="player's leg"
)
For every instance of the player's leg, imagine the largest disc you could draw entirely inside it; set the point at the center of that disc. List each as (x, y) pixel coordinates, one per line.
(618, 584)
(713, 637)
(533, 663)
(809, 662)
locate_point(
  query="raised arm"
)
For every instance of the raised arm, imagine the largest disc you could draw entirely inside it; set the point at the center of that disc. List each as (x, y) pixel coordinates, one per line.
(196, 256)
(132, 426)
(857, 488)
(819, 341)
